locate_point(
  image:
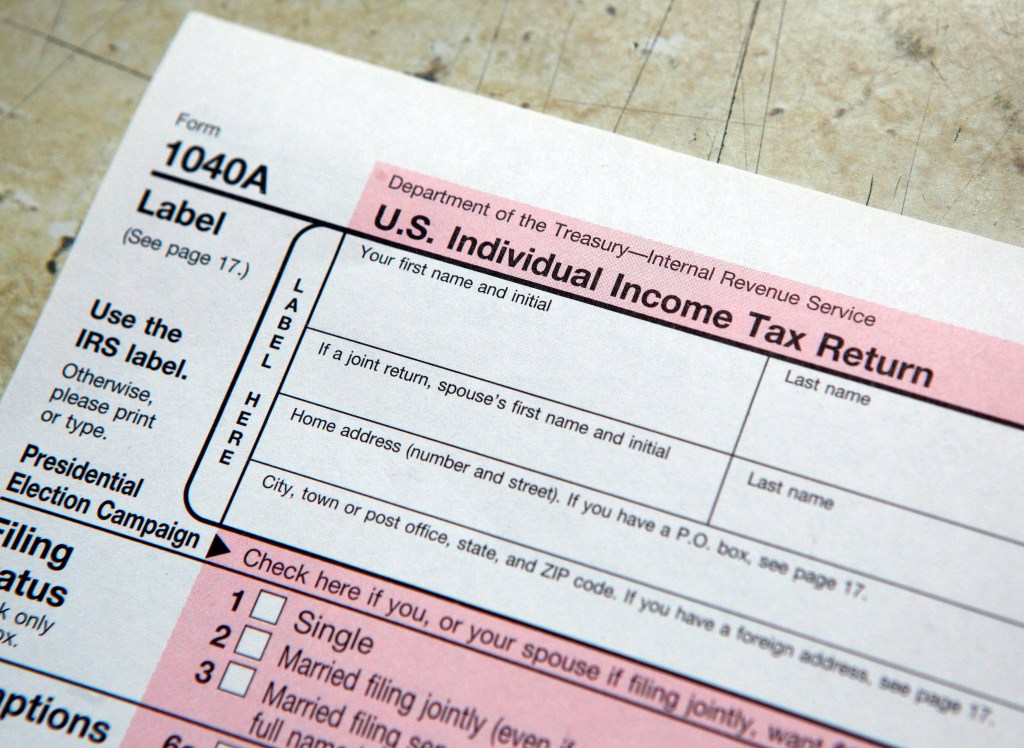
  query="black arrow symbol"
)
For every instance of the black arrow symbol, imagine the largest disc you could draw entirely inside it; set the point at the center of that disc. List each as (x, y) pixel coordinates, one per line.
(217, 548)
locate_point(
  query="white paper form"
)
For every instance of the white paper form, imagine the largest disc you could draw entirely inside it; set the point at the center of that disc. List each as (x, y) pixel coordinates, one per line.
(367, 412)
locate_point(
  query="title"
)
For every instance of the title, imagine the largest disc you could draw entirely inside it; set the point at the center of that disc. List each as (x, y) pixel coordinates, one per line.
(692, 313)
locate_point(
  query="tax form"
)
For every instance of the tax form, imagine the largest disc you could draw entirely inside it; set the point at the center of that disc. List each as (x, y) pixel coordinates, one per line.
(371, 413)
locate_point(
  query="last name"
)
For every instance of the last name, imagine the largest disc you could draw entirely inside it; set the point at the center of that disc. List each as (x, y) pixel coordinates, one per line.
(181, 213)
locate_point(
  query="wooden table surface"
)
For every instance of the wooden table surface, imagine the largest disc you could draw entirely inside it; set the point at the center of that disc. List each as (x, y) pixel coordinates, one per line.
(910, 107)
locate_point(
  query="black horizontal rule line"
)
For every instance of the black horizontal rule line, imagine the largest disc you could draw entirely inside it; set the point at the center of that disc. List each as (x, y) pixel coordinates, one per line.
(663, 590)
(719, 528)
(109, 531)
(132, 702)
(583, 300)
(248, 201)
(484, 456)
(887, 502)
(638, 427)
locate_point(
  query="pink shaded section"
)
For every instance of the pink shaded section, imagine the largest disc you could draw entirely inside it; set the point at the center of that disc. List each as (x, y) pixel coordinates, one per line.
(969, 370)
(432, 659)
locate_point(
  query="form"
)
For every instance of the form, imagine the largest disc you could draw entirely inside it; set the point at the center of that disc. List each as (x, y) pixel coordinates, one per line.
(371, 413)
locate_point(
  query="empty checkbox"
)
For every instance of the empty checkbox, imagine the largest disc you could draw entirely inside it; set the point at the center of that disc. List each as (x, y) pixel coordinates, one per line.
(252, 643)
(236, 679)
(268, 607)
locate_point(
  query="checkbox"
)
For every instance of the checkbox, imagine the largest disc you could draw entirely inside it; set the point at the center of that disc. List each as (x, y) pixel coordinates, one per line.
(252, 643)
(268, 607)
(236, 679)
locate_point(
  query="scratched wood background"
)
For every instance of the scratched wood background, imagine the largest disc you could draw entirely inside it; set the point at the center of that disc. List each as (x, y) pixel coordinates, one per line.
(912, 107)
